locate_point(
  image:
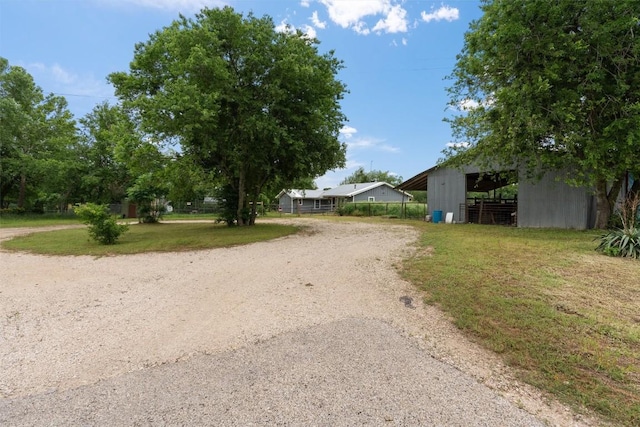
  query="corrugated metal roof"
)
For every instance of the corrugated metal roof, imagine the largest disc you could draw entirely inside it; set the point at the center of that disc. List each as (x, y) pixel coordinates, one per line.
(302, 194)
(350, 190)
(346, 190)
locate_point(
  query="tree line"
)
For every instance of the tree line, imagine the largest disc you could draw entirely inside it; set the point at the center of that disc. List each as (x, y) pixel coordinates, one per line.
(224, 104)
(219, 105)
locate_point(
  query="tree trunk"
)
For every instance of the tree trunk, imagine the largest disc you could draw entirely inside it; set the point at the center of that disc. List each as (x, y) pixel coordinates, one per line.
(605, 201)
(23, 189)
(241, 199)
(254, 205)
(635, 187)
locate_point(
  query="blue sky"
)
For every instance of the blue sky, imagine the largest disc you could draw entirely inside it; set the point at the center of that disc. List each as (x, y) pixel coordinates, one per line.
(396, 55)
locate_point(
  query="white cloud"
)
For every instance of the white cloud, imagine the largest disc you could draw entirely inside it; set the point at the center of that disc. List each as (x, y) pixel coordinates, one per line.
(317, 22)
(395, 21)
(404, 41)
(61, 75)
(348, 131)
(458, 145)
(81, 90)
(371, 144)
(471, 104)
(468, 104)
(305, 3)
(446, 13)
(364, 143)
(351, 14)
(285, 27)
(309, 31)
(55, 78)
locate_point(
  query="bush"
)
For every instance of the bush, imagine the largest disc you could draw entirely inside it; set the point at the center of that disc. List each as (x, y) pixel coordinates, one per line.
(625, 240)
(13, 211)
(386, 209)
(103, 226)
(623, 243)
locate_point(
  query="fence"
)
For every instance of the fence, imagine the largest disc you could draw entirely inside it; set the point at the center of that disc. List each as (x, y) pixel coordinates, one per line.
(197, 207)
(489, 211)
(397, 210)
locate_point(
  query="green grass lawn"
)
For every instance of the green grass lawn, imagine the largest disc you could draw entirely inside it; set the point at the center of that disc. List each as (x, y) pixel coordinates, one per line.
(33, 220)
(567, 317)
(162, 237)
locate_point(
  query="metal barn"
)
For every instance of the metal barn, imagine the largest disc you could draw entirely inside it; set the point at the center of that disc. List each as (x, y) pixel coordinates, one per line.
(547, 202)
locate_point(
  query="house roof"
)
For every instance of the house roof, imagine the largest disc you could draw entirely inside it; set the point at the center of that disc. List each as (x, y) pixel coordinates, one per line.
(302, 194)
(350, 190)
(347, 190)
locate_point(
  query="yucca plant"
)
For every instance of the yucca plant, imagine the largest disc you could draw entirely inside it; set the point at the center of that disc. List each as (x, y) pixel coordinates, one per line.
(625, 241)
(619, 242)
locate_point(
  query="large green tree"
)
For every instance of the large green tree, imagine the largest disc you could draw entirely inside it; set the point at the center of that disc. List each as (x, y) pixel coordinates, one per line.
(36, 134)
(122, 162)
(553, 85)
(252, 104)
(108, 142)
(360, 175)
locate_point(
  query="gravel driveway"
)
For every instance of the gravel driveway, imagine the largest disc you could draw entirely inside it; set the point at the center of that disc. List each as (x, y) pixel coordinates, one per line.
(311, 329)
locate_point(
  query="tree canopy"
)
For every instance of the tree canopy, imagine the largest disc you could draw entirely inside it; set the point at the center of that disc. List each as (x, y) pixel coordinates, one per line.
(360, 175)
(553, 85)
(36, 132)
(252, 104)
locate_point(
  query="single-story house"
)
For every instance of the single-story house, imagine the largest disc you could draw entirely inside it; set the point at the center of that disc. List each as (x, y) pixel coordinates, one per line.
(547, 202)
(303, 201)
(318, 201)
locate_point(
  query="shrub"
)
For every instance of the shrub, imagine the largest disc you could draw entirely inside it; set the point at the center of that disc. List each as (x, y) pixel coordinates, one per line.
(619, 242)
(13, 211)
(624, 241)
(148, 193)
(103, 226)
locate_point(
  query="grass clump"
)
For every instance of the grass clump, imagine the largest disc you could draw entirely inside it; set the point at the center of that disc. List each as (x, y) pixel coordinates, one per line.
(141, 238)
(564, 316)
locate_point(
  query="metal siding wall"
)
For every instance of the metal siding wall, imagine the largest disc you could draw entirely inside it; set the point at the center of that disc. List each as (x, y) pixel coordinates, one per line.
(446, 190)
(285, 203)
(390, 195)
(545, 203)
(553, 204)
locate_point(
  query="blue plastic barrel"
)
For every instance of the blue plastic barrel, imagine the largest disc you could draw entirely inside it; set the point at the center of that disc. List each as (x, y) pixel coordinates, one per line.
(437, 216)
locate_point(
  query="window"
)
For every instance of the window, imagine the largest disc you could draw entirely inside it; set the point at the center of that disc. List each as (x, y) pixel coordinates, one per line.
(372, 199)
(316, 204)
(300, 201)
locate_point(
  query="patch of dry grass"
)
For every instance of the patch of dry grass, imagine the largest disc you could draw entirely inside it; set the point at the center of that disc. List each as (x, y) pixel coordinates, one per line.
(567, 317)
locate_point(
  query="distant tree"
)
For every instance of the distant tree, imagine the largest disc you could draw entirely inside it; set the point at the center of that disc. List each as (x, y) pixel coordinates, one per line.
(372, 176)
(187, 180)
(252, 104)
(553, 86)
(148, 192)
(122, 162)
(106, 176)
(36, 132)
(419, 196)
